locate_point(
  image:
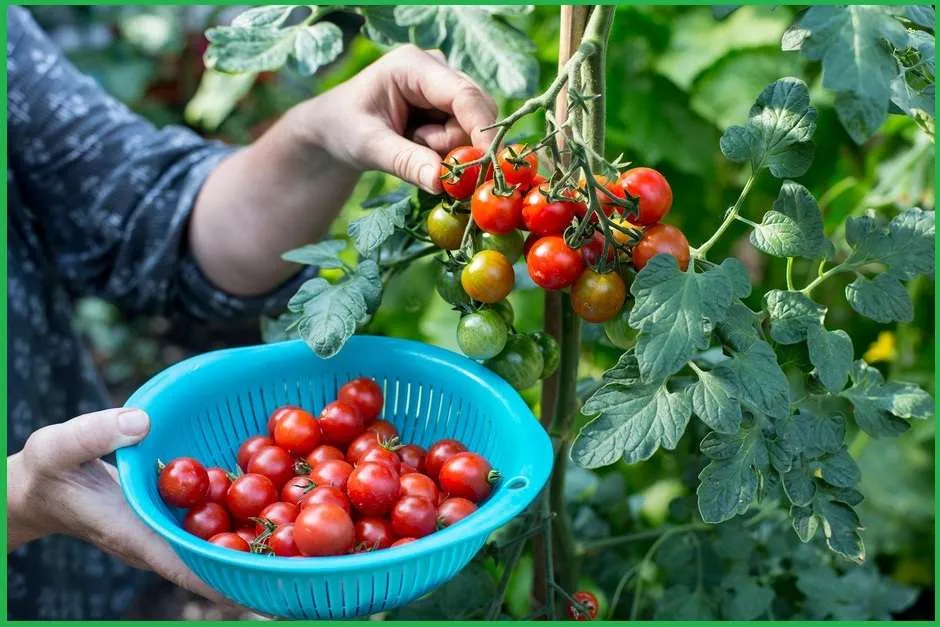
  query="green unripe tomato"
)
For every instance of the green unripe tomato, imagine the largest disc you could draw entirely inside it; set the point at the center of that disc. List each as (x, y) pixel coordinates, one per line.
(505, 310)
(520, 363)
(449, 287)
(551, 352)
(482, 334)
(618, 330)
(510, 244)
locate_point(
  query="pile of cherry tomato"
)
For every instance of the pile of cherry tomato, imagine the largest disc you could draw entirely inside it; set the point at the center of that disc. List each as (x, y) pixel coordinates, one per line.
(334, 484)
(523, 201)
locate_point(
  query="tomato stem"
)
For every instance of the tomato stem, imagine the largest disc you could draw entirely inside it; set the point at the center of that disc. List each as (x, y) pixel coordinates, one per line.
(730, 217)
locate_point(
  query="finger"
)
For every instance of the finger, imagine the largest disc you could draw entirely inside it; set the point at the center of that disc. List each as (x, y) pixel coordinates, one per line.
(437, 54)
(424, 82)
(407, 160)
(86, 437)
(442, 138)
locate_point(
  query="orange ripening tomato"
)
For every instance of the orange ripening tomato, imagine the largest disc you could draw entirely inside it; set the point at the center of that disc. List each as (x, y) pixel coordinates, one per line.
(598, 297)
(661, 239)
(489, 277)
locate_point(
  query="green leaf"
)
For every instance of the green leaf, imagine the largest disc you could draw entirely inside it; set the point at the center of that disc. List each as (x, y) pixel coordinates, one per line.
(737, 274)
(738, 329)
(381, 27)
(861, 115)
(794, 227)
(714, 399)
(730, 481)
(861, 594)
(805, 522)
(840, 469)
(216, 97)
(278, 329)
(323, 254)
(371, 230)
(805, 434)
(272, 16)
(791, 315)
(682, 603)
(883, 299)
(842, 528)
(316, 46)
(674, 312)
(761, 382)
(799, 486)
(778, 133)
(880, 406)
(632, 422)
(234, 49)
(831, 354)
(747, 599)
(905, 245)
(922, 15)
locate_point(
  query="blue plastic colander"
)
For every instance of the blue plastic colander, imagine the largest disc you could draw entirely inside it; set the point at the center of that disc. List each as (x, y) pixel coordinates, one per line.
(205, 406)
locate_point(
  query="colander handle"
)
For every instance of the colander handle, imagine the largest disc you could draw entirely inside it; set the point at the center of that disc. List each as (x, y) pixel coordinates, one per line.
(520, 491)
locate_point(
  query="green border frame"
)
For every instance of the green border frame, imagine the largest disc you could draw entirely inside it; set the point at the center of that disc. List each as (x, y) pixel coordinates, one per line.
(4, 340)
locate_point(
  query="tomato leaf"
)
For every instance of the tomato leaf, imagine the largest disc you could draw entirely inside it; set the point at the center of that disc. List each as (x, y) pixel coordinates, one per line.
(272, 16)
(883, 299)
(761, 382)
(794, 227)
(746, 598)
(842, 528)
(234, 49)
(737, 274)
(323, 254)
(857, 594)
(683, 603)
(674, 313)
(905, 245)
(371, 230)
(216, 97)
(738, 329)
(831, 353)
(714, 399)
(317, 45)
(799, 486)
(778, 133)
(730, 481)
(881, 406)
(839, 469)
(791, 315)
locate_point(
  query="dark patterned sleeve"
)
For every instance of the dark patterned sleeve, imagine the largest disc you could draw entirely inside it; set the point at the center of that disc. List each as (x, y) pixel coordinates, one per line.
(111, 195)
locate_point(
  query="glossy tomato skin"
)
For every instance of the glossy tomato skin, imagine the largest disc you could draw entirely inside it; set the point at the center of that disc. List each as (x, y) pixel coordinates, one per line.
(183, 483)
(361, 445)
(296, 489)
(402, 542)
(373, 489)
(246, 533)
(275, 514)
(467, 475)
(384, 429)
(518, 164)
(482, 334)
(326, 494)
(661, 239)
(365, 395)
(653, 193)
(373, 533)
(323, 453)
(589, 601)
(496, 212)
(446, 228)
(453, 510)
(548, 218)
(598, 297)
(341, 423)
(550, 350)
(281, 541)
(279, 413)
(440, 452)
(414, 517)
(230, 540)
(219, 481)
(554, 265)
(448, 286)
(324, 529)
(248, 449)
(520, 364)
(488, 277)
(207, 520)
(509, 244)
(619, 331)
(593, 249)
(334, 472)
(248, 495)
(297, 432)
(413, 455)
(416, 484)
(274, 463)
(461, 186)
(381, 455)
(605, 196)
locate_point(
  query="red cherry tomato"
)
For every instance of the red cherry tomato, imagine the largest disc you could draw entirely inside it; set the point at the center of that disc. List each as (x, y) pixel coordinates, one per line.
(341, 423)
(361, 445)
(518, 164)
(467, 475)
(324, 529)
(298, 432)
(661, 239)
(334, 473)
(323, 453)
(373, 489)
(548, 218)
(440, 452)
(460, 186)
(296, 489)
(593, 248)
(247, 533)
(279, 413)
(248, 495)
(402, 542)
(416, 484)
(407, 469)
(365, 395)
(380, 455)
(654, 196)
(207, 520)
(248, 449)
(453, 510)
(275, 514)
(373, 533)
(598, 297)
(413, 455)
(589, 611)
(384, 429)
(183, 483)
(414, 517)
(554, 265)
(496, 212)
(281, 541)
(219, 481)
(605, 195)
(274, 463)
(230, 540)
(326, 494)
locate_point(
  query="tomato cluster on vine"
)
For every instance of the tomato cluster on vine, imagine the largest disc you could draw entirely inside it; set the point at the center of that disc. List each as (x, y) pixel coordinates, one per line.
(568, 247)
(334, 484)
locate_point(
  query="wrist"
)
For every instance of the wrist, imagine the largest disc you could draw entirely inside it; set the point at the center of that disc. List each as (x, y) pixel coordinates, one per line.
(21, 529)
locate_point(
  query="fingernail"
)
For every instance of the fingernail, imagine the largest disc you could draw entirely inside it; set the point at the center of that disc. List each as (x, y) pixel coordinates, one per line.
(427, 178)
(133, 422)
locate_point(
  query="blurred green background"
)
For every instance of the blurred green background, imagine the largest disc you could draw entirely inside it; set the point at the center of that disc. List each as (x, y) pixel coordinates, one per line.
(677, 77)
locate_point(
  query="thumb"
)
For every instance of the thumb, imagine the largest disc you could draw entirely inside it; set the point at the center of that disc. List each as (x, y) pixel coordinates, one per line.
(88, 437)
(408, 161)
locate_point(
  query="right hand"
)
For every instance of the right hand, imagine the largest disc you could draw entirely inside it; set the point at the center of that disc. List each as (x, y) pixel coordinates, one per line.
(59, 484)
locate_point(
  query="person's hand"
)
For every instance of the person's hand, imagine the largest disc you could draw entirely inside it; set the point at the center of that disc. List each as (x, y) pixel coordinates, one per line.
(400, 115)
(58, 484)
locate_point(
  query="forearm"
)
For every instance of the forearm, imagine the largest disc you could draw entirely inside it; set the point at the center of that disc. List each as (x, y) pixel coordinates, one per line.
(281, 192)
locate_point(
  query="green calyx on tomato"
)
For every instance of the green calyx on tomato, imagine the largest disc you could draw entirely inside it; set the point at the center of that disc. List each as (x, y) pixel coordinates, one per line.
(520, 362)
(482, 334)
